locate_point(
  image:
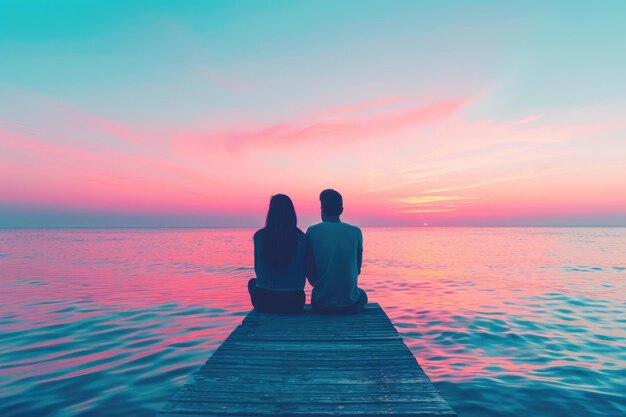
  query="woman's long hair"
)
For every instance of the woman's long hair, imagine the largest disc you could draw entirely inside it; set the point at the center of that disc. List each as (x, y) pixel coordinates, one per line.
(280, 235)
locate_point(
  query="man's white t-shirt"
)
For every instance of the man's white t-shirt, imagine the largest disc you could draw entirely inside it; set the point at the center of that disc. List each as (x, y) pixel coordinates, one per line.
(335, 246)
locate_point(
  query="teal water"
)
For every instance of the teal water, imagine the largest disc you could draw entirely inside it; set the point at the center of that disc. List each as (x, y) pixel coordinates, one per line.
(505, 321)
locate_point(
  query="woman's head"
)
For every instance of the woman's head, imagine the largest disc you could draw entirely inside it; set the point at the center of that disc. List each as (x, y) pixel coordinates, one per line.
(280, 235)
(281, 212)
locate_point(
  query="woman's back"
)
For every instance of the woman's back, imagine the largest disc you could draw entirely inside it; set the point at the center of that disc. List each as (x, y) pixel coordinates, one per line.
(288, 277)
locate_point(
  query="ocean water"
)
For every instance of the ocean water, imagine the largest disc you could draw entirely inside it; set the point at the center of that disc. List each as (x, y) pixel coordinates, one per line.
(505, 321)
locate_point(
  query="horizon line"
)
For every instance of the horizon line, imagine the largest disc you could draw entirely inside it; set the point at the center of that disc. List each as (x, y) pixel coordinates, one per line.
(3, 228)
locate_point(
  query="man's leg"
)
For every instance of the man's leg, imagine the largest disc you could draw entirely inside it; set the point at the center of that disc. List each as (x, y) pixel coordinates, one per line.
(354, 308)
(362, 301)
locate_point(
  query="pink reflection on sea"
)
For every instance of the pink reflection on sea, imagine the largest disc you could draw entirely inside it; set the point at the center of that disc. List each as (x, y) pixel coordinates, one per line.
(105, 322)
(476, 303)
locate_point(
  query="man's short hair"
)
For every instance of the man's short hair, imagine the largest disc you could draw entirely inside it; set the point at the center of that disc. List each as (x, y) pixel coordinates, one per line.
(332, 202)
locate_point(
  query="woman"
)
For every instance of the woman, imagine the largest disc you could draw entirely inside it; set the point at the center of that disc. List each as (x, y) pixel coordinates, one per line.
(279, 251)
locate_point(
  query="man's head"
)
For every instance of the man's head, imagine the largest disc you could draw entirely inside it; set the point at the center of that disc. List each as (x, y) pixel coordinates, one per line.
(332, 203)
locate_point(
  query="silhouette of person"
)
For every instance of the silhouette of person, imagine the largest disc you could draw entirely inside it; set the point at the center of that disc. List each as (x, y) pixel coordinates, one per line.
(279, 261)
(334, 257)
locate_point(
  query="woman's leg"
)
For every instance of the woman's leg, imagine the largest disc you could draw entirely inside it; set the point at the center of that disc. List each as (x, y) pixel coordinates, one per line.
(251, 290)
(251, 286)
(293, 301)
(278, 301)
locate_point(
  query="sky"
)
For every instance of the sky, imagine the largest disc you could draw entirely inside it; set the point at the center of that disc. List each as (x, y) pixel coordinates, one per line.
(190, 113)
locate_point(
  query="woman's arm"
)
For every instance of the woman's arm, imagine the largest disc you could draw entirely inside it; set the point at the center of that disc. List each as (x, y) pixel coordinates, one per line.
(257, 252)
(359, 252)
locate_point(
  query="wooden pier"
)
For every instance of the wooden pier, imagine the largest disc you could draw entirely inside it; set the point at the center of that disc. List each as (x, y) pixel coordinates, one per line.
(311, 365)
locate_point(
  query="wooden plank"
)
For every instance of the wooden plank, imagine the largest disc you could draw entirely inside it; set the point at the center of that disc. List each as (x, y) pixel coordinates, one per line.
(300, 397)
(311, 365)
(279, 387)
(323, 345)
(242, 353)
(318, 362)
(339, 380)
(339, 411)
(280, 408)
(371, 372)
(308, 359)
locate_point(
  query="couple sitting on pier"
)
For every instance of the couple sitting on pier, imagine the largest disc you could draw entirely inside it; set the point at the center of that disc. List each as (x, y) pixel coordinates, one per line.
(329, 254)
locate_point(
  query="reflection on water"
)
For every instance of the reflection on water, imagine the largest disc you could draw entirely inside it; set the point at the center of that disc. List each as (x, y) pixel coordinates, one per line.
(506, 321)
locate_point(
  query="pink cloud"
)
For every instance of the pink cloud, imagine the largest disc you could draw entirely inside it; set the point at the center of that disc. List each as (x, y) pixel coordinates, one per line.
(335, 126)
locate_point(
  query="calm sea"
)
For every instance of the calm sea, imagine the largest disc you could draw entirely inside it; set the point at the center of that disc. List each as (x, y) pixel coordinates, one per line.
(505, 321)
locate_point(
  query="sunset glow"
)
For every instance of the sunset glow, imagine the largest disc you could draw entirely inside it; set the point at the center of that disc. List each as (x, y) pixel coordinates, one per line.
(419, 113)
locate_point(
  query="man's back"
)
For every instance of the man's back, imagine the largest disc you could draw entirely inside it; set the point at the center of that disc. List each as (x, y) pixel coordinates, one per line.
(337, 249)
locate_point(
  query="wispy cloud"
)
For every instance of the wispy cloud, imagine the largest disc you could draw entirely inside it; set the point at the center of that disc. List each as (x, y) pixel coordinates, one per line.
(463, 149)
(428, 203)
(336, 127)
(426, 210)
(428, 199)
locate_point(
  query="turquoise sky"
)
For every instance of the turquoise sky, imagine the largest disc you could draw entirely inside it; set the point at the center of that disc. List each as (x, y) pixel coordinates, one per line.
(164, 70)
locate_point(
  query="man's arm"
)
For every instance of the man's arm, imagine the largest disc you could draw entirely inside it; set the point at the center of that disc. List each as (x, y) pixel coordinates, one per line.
(359, 252)
(311, 267)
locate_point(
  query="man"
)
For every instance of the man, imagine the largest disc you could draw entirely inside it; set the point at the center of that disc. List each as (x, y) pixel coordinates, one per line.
(334, 256)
